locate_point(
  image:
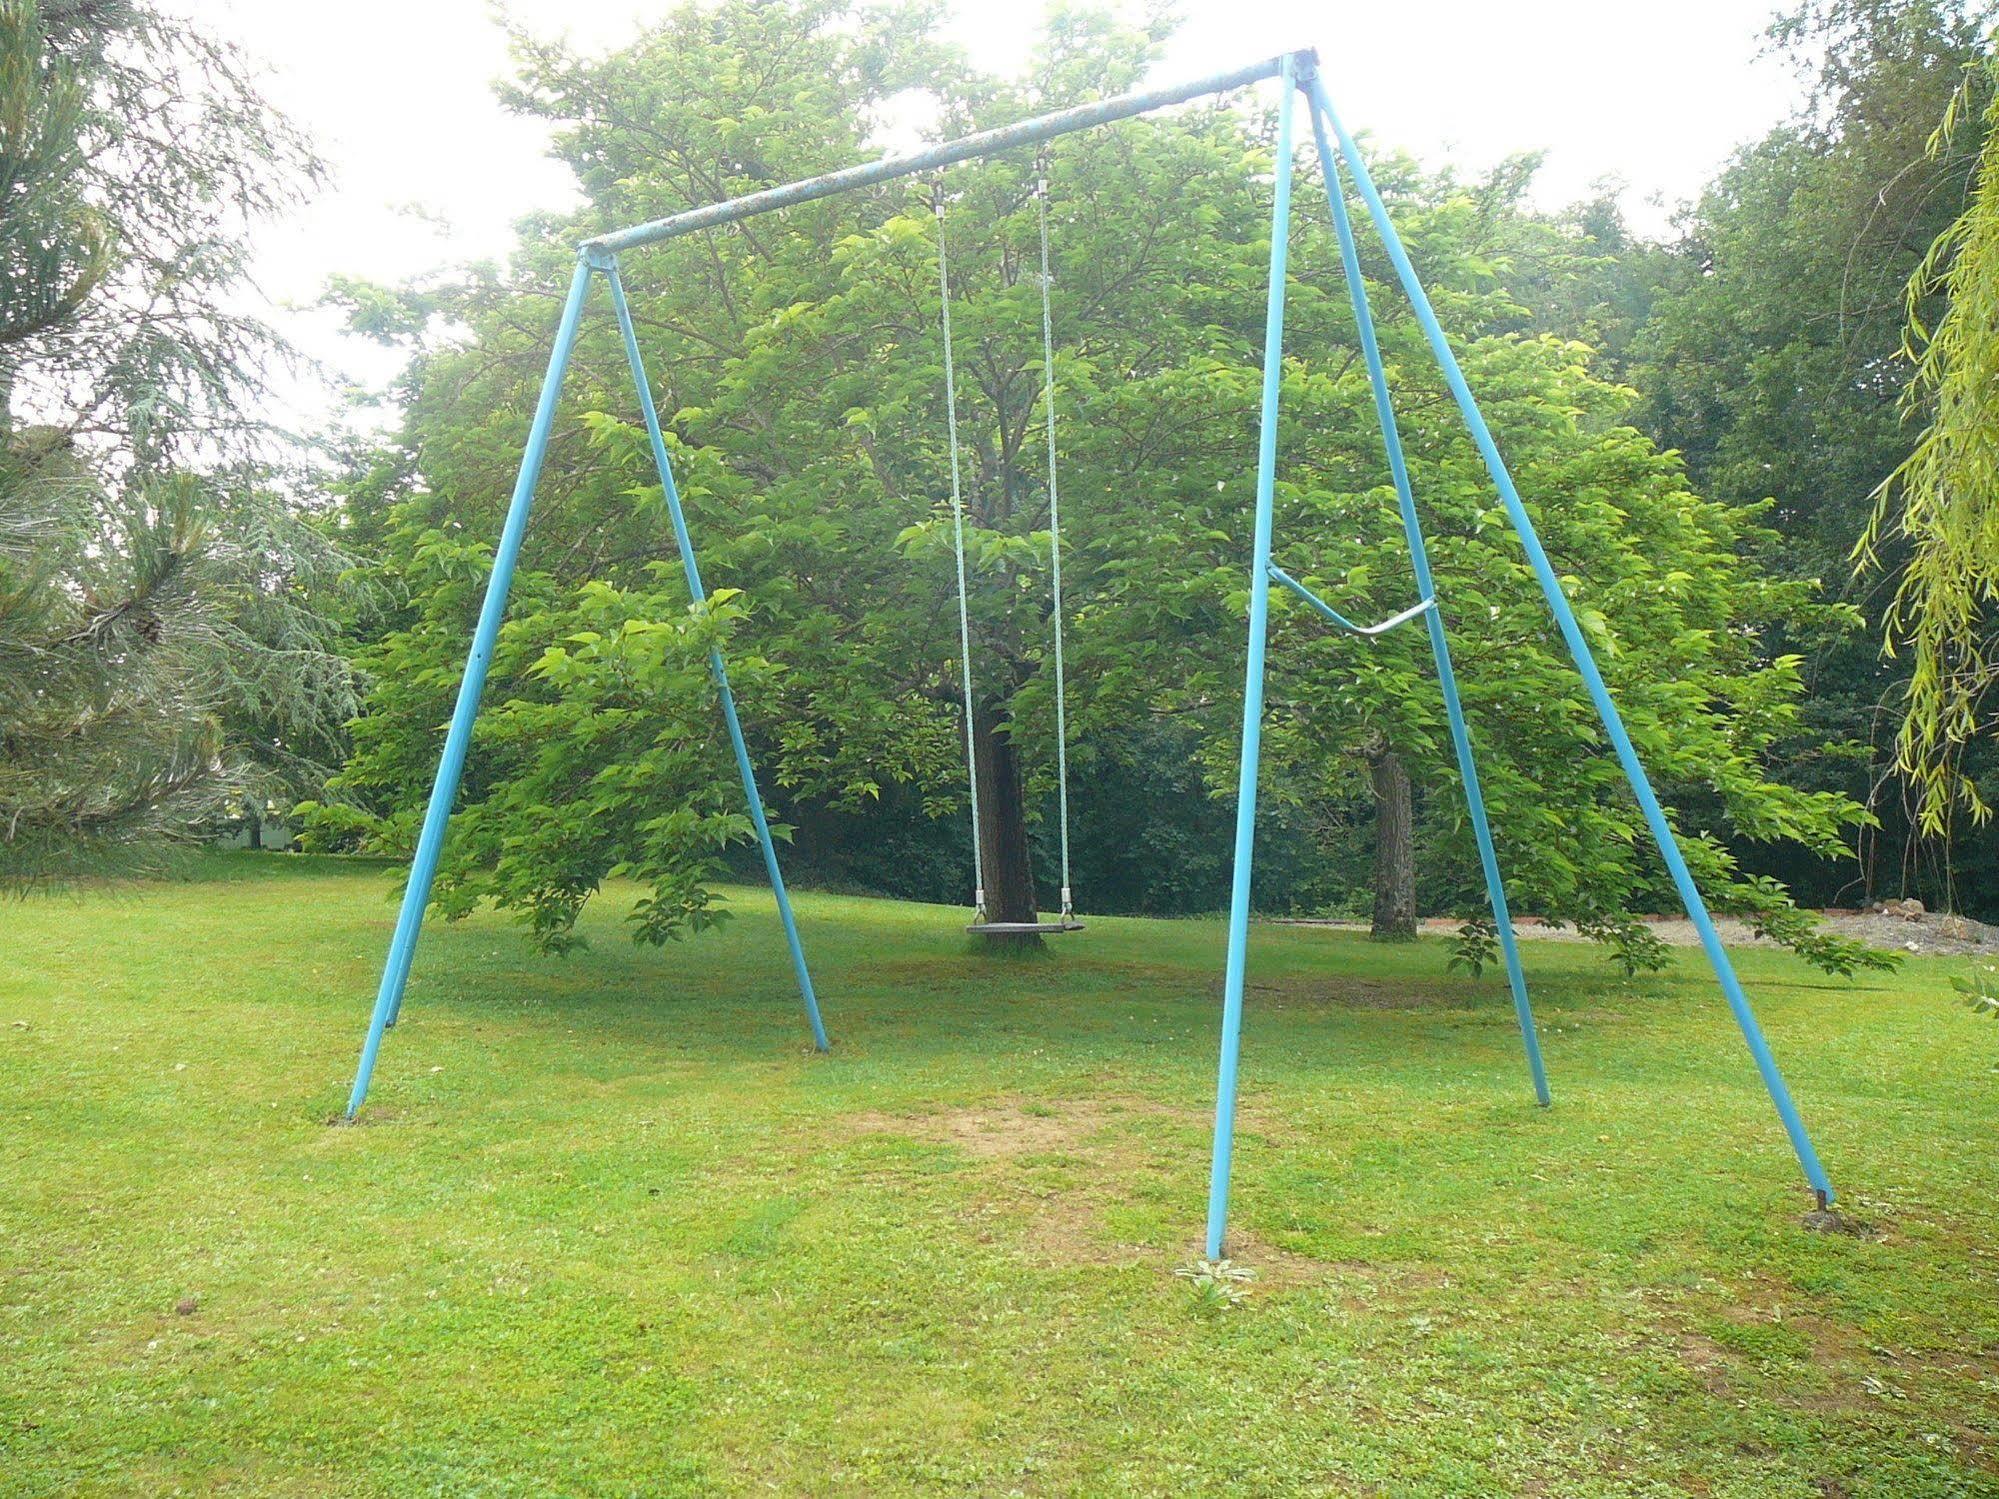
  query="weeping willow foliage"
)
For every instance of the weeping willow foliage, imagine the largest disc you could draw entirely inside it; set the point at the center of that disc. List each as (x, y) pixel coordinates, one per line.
(1943, 501)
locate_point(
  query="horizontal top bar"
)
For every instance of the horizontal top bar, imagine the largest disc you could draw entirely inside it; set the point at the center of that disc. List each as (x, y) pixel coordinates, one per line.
(985, 143)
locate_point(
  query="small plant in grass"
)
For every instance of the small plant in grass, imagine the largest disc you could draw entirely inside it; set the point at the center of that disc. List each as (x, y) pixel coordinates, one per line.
(1980, 988)
(1475, 948)
(1217, 1285)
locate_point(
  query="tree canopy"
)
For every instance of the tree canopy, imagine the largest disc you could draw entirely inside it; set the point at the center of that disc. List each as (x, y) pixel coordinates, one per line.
(798, 362)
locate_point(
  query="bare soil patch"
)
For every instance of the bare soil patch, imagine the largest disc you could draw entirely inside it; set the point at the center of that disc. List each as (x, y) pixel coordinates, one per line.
(1009, 1128)
(1826, 1221)
(1067, 1225)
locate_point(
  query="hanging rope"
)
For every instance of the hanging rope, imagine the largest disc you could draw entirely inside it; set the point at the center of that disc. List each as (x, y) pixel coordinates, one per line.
(958, 544)
(1054, 529)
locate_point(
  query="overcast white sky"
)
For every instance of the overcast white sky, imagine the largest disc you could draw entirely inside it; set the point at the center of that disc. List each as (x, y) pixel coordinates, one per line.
(398, 94)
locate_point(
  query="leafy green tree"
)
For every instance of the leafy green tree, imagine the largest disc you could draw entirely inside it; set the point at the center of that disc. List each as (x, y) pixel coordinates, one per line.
(1770, 360)
(1772, 357)
(164, 653)
(800, 366)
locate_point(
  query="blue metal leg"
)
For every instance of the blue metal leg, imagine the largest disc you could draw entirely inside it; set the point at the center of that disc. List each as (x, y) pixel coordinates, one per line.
(451, 765)
(1440, 649)
(1558, 604)
(609, 266)
(1252, 692)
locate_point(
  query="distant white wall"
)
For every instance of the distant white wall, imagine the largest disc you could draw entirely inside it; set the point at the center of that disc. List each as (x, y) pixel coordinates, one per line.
(272, 835)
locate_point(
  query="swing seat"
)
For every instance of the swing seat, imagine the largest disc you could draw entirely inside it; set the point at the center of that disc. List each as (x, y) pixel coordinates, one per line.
(1018, 928)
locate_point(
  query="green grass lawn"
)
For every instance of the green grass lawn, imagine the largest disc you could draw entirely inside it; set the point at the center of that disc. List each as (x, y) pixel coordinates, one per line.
(608, 1226)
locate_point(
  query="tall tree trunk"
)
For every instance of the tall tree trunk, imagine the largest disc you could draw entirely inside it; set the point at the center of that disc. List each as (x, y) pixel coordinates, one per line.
(1394, 848)
(1009, 871)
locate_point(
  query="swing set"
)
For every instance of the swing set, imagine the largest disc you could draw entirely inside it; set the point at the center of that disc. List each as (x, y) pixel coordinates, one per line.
(1297, 72)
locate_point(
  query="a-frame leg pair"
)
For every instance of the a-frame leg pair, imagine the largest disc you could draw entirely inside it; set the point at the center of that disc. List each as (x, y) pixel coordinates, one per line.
(458, 739)
(1325, 121)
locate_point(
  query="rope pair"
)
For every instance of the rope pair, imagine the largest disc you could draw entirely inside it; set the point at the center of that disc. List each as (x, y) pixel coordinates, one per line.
(958, 544)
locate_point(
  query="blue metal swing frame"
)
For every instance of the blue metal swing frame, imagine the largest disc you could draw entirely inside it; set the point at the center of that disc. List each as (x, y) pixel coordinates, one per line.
(1297, 72)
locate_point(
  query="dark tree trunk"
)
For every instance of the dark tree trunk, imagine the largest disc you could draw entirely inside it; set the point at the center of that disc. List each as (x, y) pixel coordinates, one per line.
(1009, 871)
(1394, 848)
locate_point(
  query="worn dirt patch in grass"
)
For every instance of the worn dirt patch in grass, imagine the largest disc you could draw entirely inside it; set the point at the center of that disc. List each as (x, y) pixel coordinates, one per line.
(1862, 1372)
(1117, 1140)
(1067, 1228)
(1011, 1128)
(1826, 1221)
(1852, 1378)
(1279, 1269)
(1068, 1224)
(1070, 1228)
